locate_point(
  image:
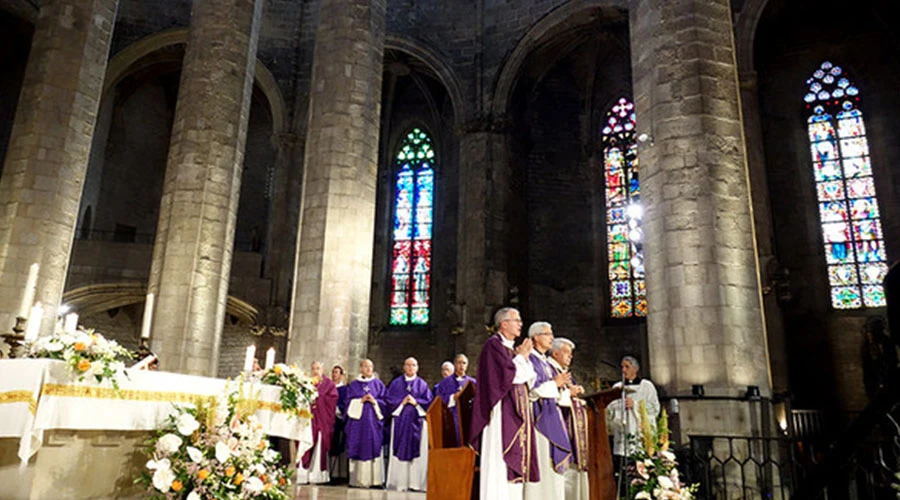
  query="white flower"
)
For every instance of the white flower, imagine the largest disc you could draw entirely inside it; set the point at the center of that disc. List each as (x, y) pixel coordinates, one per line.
(664, 482)
(223, 453)
(195, 454)
(193, 496)
(162, 479)
(254, 485)
(270, 455)
(169, 443)
(156, 464)
(668, 455)
(54, 346)
(643, 496)
(187, 424)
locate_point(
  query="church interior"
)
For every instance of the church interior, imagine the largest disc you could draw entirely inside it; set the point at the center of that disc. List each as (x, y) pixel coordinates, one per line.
(705, 185)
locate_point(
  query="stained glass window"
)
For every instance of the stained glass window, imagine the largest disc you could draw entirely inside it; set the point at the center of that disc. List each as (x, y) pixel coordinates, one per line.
(845, 189)
(413, 209)
(628, 295)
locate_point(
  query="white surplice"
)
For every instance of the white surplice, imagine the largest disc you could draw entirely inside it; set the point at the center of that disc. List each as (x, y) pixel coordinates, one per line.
(626, 423)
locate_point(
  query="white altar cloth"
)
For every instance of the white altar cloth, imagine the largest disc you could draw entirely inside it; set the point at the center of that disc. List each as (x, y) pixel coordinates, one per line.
(38, 395)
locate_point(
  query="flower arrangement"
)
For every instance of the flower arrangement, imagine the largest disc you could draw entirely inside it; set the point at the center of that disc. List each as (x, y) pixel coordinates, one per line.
(297, 390)
(653, 470)
(87, 354)
(215, 450)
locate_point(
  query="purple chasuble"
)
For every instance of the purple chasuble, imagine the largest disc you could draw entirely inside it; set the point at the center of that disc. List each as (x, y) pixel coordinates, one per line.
(323, 411)
(407, 426)
(448, 387)
(364, 436)
(496, 372)
(576, 420)
(547, 418)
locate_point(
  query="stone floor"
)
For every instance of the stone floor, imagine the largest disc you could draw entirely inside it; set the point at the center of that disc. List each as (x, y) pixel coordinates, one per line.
(345, 493)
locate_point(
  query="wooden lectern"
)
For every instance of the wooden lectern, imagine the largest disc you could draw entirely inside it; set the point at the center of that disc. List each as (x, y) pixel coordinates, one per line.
(600, 464)
(451, 468)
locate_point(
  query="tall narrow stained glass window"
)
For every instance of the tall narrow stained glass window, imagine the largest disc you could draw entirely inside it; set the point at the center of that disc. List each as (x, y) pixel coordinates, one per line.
(848, 207)
(413, 210)
(628, 294)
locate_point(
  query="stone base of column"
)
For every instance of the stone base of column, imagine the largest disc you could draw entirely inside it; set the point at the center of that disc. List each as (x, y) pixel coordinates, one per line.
(731, 447)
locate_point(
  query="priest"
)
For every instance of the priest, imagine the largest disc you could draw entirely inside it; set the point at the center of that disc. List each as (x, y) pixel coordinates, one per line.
(575, 417)
(313, 467)
(449, 388)
(446, 371)
(502, 425)
(364, 427)
(338, 451)
(623, 416)
(407, 398)
(553, 445)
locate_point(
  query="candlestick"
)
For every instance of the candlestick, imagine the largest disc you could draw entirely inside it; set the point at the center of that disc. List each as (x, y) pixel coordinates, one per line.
(35, 316)
(270, 358)
(71, 323)
(28, 293)
(248, 359)
(148, 316)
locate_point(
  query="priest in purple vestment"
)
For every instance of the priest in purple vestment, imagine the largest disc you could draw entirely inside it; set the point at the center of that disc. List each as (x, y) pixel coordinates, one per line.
(576, 420)
(554, 447)
(364, 427)
(448, 389)
(314, 464)
(407, 398)
(502, 428)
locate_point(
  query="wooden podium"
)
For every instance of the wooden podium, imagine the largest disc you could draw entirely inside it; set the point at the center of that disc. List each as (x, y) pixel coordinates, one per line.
(600, 464)
(451, 468)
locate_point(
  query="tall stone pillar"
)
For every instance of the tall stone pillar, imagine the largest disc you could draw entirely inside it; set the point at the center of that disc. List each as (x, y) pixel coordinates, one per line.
(281, 234)
(333, 269)
(195, 234)
(704, 324)
(47, 159)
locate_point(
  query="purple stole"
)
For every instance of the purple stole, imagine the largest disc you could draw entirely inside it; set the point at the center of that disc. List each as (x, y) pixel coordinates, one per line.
(496, 372)
(364, 436)
(323, 421)
(408, 426)
(547, 418)
(576, 425)
(448, 387)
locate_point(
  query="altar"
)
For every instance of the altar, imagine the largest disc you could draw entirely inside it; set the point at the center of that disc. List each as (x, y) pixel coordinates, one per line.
(79, 440)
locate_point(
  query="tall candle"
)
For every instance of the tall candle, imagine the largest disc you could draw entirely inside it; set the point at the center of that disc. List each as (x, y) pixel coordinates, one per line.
(248, 360)
(71, 323)
(28, 293)
(148, 316)
(270, 358)
(33, 327)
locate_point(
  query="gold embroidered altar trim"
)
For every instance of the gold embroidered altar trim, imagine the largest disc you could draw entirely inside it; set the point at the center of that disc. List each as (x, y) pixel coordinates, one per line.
(80, 391)
(19, 397)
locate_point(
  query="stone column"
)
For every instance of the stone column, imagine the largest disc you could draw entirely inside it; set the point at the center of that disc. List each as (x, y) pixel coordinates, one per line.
(47, 159)
(195, 234)
(333, 269)
(704, 324)
(283, 217)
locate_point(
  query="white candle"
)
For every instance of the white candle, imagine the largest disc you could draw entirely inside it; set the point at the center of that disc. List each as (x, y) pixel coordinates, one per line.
(248, 360)
(148, 316)
(270, 358)
(28, 293)
(33, 327)
(71, 323)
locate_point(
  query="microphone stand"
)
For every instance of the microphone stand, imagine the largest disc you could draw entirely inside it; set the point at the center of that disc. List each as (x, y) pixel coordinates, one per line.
(625, 445)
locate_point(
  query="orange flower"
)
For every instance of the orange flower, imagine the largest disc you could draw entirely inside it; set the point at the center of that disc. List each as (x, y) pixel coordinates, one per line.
(281, 481)
(277, 370)
(238, 479)
(267, 487)
(203, 474)
(84, 365)
(79, 346)
(263, 478)
(229, 471)
(176, 485)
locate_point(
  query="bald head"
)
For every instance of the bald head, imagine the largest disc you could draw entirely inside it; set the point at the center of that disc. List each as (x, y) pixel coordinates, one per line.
(316, 369)
(410, 367)
(366, 368)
